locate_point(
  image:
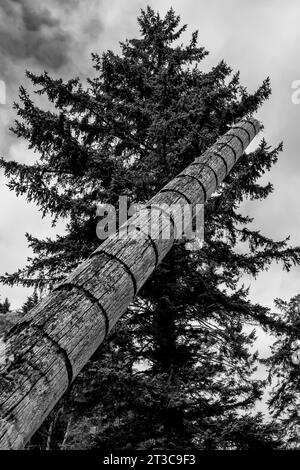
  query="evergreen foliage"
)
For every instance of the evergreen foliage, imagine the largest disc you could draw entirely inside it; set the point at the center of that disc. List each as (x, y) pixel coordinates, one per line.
(5, 306)
(177, 371)
(284, 374)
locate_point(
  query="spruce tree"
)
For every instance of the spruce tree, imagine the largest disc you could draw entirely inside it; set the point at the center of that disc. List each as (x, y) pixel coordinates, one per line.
(177, 371)
(284, 372)
(5, 306)
(6, 320)
(30, 302)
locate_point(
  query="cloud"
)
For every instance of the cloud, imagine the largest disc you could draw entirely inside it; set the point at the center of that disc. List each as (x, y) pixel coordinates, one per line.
(30, 37)
(43, 35)
(29, 30)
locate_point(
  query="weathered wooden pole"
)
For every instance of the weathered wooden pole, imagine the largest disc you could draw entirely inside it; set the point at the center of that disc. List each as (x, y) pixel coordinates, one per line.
(46, 350)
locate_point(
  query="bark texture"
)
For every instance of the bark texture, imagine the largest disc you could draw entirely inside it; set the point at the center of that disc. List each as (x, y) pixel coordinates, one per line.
(47, 348)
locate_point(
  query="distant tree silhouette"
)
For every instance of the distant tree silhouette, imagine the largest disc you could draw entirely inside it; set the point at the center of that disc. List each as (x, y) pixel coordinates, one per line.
(5, 306)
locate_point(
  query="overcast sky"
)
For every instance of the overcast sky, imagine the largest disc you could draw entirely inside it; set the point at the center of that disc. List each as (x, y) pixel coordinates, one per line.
(259, 37)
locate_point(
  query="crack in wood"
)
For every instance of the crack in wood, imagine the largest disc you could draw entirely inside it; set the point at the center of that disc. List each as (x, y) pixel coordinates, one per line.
(243, 129)
(116, 258)
(205, 165)
(238, 138)
(251, 123)
(223, 160)
(69, 286)
(61, 351)
(227, 144)
(18, 360)
(151, 241)
(178, 192)
(198, 181)
(169, 215)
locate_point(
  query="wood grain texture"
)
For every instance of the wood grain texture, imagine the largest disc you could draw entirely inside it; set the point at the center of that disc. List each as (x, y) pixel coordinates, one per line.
(48, 347)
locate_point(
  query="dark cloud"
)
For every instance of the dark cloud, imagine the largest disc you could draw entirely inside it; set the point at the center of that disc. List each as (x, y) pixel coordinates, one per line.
(35, 19)
(50, 52)
(30, 31)
(39, 35)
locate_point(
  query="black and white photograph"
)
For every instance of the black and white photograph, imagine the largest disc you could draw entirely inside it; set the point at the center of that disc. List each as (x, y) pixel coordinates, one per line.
(149, 229)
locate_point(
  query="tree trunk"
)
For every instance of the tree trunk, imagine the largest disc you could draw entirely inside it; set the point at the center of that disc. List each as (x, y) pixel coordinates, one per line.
(46, 350)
